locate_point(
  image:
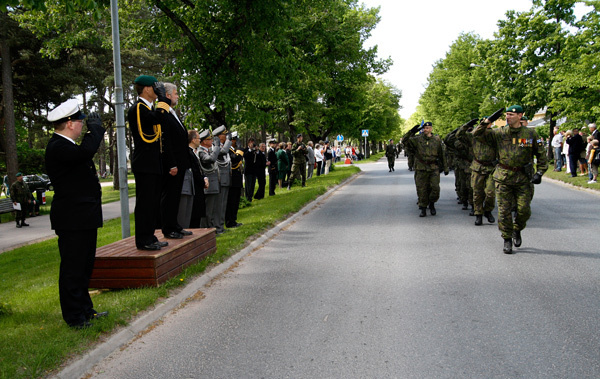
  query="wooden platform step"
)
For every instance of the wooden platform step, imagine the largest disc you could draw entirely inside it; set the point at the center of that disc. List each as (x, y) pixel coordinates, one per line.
(121, 265)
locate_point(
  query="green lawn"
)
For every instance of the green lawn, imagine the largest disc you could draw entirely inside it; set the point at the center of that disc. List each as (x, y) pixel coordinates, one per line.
(579, 181)
(34, 340)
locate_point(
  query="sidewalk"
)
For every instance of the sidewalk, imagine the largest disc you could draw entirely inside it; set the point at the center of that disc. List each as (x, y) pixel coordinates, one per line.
(39, 227)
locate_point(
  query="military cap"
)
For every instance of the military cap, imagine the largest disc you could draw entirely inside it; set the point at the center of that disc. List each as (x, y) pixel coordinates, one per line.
(19, 174)
(298, 135)
(273, 141)
(234, 135)
(515, 109)
(220, 130)
(204, 134)
(145, 80)
(69, 110)
(524, 118)
(428, 123)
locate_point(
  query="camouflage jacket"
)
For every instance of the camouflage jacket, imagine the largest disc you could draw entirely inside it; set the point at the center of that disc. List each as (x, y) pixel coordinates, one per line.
(429, 152)
(484, 154)
(517, 149)
(299, 152)
(19, 192)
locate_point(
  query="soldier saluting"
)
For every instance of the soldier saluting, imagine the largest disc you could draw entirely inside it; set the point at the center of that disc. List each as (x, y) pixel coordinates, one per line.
(517, 146)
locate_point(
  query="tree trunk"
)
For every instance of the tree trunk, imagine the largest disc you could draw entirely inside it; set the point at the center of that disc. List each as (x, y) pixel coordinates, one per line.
(10, 135)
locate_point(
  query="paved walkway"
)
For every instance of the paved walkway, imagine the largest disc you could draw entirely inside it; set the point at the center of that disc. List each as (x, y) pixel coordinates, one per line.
(39, 227)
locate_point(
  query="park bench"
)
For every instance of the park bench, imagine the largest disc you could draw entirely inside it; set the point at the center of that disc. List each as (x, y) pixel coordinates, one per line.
(121, 265)
(6, 206)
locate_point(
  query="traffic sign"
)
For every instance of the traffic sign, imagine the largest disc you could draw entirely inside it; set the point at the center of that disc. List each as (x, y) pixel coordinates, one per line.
(365, 132)
(340, 137)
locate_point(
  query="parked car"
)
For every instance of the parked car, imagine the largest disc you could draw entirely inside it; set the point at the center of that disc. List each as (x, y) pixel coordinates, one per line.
(38, 182)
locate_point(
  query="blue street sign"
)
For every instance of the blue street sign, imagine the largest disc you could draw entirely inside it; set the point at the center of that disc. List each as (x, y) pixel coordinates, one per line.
(365, 132)
(340, 137)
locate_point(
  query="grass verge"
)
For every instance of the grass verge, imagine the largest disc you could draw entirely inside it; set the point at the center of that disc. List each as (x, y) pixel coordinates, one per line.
(34, 340)
(578, 181)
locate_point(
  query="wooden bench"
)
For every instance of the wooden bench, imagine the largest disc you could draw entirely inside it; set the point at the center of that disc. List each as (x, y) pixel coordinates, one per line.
(6, 206)
(121, 265)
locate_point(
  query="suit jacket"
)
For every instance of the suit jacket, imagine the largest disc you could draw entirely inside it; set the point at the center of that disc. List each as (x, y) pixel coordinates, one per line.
(77, 195)
(175, 144)
(261, 164)
(146, 157)
(272, 158)
(236, 168)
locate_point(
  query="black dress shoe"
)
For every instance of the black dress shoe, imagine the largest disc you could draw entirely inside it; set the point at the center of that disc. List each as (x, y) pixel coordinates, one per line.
(489, 217)
(98, 315)
(237, 224)
(185, 232)
(517, 238)
(83, 325)
(174, 235)
(507, 246)
(478, 220)
(162, 243)
(24, 223)
(150, 246)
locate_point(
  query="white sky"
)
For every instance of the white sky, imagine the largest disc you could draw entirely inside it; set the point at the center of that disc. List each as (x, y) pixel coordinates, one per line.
(417, 33)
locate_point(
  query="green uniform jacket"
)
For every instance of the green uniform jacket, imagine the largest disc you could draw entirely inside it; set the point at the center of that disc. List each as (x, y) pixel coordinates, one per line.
(516, 150)
(19, 192)
(484, 153)
(299, 152)
(390, 151)
(428, 151)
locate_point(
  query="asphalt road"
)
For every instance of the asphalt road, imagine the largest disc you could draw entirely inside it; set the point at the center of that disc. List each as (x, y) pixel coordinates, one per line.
(361, 287)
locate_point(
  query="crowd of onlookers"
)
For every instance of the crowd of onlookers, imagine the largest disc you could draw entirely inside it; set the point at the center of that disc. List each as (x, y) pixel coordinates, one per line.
(576, 151)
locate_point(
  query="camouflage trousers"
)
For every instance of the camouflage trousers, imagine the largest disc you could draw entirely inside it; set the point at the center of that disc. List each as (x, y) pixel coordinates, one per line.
(484, 195)
(465, 191)
(428, 186)
(507, 195)
(391, 161)
(411, 161)
(298, 171)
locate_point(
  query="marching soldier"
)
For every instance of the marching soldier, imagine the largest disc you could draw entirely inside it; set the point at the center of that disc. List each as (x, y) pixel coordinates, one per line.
(517, 146)
(430, 159)
(299, 162)
(391, 153)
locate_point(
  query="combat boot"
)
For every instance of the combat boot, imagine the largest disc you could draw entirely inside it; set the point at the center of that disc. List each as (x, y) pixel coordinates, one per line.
(423, 212)
(432, 209)
(517, 237)
(507, 246)
(489, 217)
(465, 206)
(18, 224)
(23, 223)
(472, 212)
(478, 220)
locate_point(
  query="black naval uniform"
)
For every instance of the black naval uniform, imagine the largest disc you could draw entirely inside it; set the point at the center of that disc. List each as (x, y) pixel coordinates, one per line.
(235, 190)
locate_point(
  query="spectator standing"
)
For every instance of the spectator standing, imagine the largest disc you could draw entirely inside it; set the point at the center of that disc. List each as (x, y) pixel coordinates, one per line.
(594, 132)
(199, 180)
(327, 157)
(576, 147)
(594, 161)
(21, 197)
(208, 154)
(76, 212)
(249, 169)
(261, 166)
(282, 163)
(288, 151)
(310, 159)
(557, 142)
(193, 184)
(318, 158)
(272, 165)
(223, 137)
(567, 158)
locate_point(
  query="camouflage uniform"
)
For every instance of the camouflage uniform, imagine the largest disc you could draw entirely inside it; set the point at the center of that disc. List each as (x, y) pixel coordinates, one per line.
(19, 193)
(451, 158)
(390, 153)
(299, 163)
(482, 168)
(429, 158)
(464, 156)
(516, 150)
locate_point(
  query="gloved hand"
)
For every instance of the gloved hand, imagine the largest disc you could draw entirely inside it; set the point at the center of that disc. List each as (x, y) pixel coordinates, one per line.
(537, 178)
(161, 92)
(415, 128)
(229, 136)
(216, 141)
(446, 173)
(94, 120)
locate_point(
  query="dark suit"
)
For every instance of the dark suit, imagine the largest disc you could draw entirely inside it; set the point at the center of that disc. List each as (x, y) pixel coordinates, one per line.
(272, 158)
(75, 215)
(199, 205)
(235, 190)
(261, 164)
(147, 167)
(175, 154)
(250, 171)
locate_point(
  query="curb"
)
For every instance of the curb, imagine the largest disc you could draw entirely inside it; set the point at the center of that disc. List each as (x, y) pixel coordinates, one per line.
(82, 366)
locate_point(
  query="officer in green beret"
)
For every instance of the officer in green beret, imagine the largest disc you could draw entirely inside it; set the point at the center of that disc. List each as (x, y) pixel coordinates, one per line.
(430, 159)
(20, 194)
(517, 146)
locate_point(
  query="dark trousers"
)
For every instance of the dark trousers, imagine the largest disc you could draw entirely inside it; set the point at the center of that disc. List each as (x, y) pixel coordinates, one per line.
(272, 182)
(262, 181)
(319, 164)
(169, 202)
(250, 182)
(573, 161)
(147, 192)
(233, 204)
(77, 255)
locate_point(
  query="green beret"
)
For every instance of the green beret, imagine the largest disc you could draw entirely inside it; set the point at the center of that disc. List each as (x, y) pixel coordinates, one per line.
(19, 174)
(515, 109)
(428, 123)
(524, 118)
(145, 80)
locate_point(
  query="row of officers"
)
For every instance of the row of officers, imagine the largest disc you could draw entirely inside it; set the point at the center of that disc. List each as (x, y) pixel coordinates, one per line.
(489, 163)
(189, 179)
